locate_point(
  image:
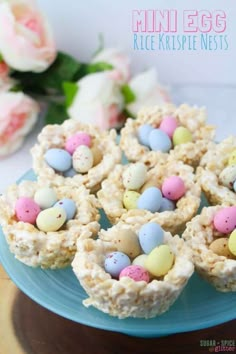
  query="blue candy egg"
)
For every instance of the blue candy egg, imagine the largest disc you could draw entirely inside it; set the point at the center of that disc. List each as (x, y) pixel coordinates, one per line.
(70, 173)
(159, 140)
(69, 206)
(150, 236)
(150, 199)
(166, 205)
(115, 262)
(143, 133)
(59, 159)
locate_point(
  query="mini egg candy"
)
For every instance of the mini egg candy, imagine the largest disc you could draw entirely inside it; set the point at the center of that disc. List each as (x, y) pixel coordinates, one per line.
(51, 219)
(232, 243)
(27, 210)
(69, 206)
(70, 173)
(220, 247)
(143, 133)
(150, 199)
(45, 197)
(58, 159)
(140, 260)
(232, 158)
(150, 236)
(82, 159)
(182, 136)
(159, 141)
(126, 241)
(130, 199)
(76, 140)
(115, 262)
(134, 176)
(166, 205)
(160, 260)
(173, 188)
(225, 220)
(135, 272)
(97, 155)
(228, 176)
(168, 125)
(234, 186)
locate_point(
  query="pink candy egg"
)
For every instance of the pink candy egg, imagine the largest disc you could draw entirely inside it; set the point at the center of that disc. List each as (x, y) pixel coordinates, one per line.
(173, 188)
(135, 272)
(26, 210)
(225, 220)
(168, 125)
(76, 140)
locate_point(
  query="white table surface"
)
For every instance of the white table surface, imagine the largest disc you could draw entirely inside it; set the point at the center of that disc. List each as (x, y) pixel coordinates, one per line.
(220, 103)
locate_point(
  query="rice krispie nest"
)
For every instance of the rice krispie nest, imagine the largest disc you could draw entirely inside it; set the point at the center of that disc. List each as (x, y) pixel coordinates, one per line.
(211, 166)
(112, 190)
(218, 270)
(126, 297)
(52, 249)
(55, 136)
(192, 118)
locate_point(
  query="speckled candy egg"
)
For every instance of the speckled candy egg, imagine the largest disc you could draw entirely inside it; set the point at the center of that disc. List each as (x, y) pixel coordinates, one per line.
(58, 159)
(97, 155)
(173, 188)
(76, 140)
(150, 236)
(45, 197)
(168, 125)
(82, 159)
(160, 260)
(134, 176)
(181, 136)
(51, 219)
(143, 133)
(130, 199)
(26, 210)
(159, 141)
(115, 262)
(135, 272)
(150, 199)
(225, 220)
(69, 206)
(232, 158)
(220, 247)
(228, 176)
(126, 241)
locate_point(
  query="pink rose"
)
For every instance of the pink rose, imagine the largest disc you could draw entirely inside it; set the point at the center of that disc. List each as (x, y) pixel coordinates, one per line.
(98, 101)
(18, 113)
(26, 41)
(120, 62)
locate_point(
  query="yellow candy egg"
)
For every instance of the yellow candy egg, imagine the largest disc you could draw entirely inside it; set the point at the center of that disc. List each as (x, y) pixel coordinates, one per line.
(232, 158)
(232, 243)
(130, 199)
(182, 136)
(127, 242)
(160, 260)
(97, 155)
(220, 247)
(51, 219)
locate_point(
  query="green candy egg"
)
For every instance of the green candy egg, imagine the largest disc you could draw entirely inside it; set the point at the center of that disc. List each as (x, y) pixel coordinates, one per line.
(232, 243)
(160, 260)
(140, 260)
(182, 136)
(51, 219)
(232, 158)
(45, 197)
(130, 199)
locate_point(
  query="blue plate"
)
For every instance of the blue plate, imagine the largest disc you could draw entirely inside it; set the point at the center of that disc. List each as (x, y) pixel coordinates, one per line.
(199, 306)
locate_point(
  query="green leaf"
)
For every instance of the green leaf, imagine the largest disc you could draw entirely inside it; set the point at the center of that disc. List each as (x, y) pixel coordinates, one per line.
(128, 94)
(98, 67)
(70, 90)
(56, 113)
(63, 69)
(1, 58)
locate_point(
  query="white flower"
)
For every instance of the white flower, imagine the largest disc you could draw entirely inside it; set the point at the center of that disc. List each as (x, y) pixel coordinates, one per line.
(98, 101)
(120, 62)
(26, 41)
(147, 91)
(18, 113)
